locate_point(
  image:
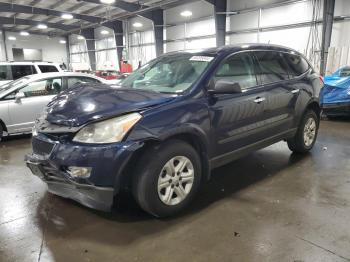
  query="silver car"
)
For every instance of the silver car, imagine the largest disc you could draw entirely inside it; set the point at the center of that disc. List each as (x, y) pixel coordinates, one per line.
(22, 100)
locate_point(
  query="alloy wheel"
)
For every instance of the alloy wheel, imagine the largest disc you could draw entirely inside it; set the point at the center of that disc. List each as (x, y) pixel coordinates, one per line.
(175, 180)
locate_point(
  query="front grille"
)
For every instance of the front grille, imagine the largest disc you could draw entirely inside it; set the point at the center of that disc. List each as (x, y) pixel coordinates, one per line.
(41, 147)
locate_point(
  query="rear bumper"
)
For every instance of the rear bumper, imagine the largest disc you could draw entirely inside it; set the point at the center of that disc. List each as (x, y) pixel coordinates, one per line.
(336, 109)
(59, 183)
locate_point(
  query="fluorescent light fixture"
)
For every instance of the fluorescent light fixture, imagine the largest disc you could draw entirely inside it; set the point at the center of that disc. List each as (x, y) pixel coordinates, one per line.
(104, 32)
(186, 13)
(137, 24)
(108, 2)
(12, 38)
(67, 16)
(42, 26)
(24, 33)
(80, 37)
(63, 41)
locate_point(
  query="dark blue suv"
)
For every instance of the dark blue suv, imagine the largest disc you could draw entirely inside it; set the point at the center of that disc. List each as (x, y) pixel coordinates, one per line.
(173, 121)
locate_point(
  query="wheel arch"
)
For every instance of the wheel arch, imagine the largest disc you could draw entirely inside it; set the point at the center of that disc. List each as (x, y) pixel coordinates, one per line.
(124, 179)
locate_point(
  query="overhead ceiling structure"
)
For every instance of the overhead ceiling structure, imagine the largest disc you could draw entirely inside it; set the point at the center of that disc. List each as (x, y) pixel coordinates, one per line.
(67, 16)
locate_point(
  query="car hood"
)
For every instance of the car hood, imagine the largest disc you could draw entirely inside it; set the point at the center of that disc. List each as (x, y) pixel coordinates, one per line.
(82, 104)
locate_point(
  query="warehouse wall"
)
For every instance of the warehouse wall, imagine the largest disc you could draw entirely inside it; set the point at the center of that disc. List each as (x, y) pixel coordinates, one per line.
(140, 41)
(197, 31)
(52, 50)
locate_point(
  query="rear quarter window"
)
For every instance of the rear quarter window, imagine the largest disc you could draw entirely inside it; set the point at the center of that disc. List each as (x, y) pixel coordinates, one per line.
(297, 64)
(47, 68)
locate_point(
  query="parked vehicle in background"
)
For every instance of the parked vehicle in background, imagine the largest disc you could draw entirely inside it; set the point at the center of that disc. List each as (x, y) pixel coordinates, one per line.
(10, 71)
(174, 120)
(112, 76)
(22, 100)
(336, 93)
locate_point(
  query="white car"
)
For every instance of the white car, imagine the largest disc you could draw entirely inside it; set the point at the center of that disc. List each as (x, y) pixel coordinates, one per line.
(22, 100)
(10, 71)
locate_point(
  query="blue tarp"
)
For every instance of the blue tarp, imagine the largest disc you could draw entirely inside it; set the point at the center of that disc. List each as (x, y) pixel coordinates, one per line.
(336, 88)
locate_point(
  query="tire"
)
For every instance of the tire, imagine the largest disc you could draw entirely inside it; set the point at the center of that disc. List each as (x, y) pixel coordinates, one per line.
(306, 135)
(156, 187)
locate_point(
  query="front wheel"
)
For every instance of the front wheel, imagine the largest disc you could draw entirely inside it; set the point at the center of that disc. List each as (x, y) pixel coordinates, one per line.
(306, 135)
(167, 178)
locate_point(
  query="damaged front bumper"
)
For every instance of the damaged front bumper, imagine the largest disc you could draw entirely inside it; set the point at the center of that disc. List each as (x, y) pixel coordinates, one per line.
(59, 183)
(52, 158)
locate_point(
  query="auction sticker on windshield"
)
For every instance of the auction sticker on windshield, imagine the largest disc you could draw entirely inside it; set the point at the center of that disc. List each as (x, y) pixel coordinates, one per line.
(201, 58)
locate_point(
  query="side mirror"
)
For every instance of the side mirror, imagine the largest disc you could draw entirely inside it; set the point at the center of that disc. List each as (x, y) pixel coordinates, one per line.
(19, 96)
(223, 86)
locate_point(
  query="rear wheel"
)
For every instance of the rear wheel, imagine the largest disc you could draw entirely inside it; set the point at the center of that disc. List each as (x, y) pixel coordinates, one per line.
(306, 135)
(167, 178)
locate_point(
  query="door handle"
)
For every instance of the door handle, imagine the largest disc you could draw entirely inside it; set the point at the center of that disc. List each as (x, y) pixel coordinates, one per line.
(258, 100)
(295, 91)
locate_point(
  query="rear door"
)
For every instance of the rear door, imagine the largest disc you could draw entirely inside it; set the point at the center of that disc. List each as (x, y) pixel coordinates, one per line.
(237, 118)
(37, 95)
(281, 96)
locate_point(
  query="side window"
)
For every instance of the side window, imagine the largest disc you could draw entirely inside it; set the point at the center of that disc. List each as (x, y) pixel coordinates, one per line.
(4, 74)
(72, 81)
(45, 87)
(272, 67)
(238, 68)
(19, 71)
(47, 68)
(297, 65)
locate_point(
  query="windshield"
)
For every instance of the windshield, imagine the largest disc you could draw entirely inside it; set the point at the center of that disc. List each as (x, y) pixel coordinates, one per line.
(11, 84)
(169, 74)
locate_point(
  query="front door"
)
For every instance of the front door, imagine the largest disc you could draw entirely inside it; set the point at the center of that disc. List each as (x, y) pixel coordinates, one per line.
(237, 118)
(37, 95)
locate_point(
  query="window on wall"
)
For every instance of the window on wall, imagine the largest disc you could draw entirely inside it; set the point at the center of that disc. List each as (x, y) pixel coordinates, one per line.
(141, 48)
(106, 54)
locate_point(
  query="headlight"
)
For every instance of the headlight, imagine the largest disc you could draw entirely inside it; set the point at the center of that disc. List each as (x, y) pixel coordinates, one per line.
(108, 131)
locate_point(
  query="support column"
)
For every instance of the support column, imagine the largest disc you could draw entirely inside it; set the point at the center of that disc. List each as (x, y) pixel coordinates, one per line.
(220, 11)
(327, 26)
(89, 35)
(68, 52)
(157, 16)
(117, 27)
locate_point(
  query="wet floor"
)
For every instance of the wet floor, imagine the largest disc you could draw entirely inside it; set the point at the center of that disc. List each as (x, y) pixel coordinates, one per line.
(268, 206)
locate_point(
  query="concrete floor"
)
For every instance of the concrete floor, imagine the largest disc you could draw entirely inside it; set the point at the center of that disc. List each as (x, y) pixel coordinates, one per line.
(268, 206)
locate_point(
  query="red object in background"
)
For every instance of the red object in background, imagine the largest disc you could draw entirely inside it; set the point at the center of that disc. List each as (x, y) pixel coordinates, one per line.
(108, 75)
(125, 68)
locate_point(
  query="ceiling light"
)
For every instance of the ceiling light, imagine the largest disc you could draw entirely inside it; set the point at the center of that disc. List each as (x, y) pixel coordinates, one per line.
(80, 37)
(12, 38)
(108, 2)
(186, 13)
(42, 26)
(24, 33)
(137, 24)
(63, 41)
(67, 16)
(104, 32)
